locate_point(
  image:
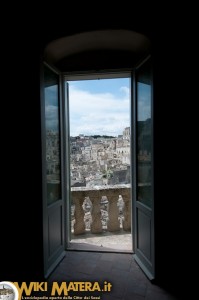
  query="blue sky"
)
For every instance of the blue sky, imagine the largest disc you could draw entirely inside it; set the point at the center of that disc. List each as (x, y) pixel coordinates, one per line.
(99, 106)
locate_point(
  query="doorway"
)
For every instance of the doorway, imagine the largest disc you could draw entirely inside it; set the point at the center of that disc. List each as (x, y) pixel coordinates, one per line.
(57, 211)
(100, 163)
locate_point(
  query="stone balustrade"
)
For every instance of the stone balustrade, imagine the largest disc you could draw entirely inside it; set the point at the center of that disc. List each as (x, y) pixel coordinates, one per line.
(100, 209)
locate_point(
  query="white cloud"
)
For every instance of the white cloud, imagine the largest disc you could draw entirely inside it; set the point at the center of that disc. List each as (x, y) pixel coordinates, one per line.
(98, 113)
(126, 90)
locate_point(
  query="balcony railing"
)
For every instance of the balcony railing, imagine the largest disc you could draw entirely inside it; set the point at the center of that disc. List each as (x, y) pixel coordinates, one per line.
(101, 209)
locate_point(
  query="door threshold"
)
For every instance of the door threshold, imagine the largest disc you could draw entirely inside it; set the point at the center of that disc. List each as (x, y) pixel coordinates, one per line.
(93, 248)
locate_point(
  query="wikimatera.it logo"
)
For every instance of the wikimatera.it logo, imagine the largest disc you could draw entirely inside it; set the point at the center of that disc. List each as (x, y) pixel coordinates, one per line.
(56, 290)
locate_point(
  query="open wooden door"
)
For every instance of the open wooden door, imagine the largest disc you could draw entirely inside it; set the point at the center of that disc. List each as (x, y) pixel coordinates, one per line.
(143, 169)
(53, 175)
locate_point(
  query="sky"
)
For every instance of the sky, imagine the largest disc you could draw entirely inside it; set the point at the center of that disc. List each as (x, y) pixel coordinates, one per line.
(97, 106)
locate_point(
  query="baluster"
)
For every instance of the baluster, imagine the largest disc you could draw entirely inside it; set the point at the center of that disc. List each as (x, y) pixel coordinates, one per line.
(113, 219)
(96, 225)
(72, 216)
(127, 210)
(87, 207)
(78, 199)
(104, 212)
(120, 204)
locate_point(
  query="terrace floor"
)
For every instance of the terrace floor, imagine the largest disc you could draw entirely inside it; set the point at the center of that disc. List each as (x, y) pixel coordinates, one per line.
(117, 242)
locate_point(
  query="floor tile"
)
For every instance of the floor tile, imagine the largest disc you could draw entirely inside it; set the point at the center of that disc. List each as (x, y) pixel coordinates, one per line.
(128, 280)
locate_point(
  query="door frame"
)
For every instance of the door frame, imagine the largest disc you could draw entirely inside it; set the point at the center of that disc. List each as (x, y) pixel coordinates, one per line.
(80, 76)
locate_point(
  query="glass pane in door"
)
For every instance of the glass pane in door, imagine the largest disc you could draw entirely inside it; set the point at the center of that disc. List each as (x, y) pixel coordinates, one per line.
(52, 122)
(144, 139)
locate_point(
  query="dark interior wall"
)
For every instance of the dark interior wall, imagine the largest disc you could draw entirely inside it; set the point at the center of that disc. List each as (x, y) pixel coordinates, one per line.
(21, 203)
